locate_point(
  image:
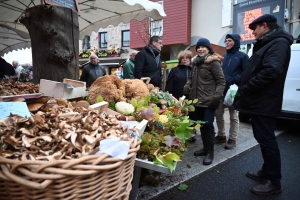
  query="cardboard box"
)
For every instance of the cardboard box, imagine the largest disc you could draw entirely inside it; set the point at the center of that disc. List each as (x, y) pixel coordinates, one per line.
(68, 89)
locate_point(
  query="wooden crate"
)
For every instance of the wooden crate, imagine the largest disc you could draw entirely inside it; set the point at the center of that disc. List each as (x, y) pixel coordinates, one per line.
(25, 96)
(68, 89)
(103, 107)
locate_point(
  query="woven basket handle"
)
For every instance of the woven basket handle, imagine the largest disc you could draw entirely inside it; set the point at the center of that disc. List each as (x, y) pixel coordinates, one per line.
(24, 182)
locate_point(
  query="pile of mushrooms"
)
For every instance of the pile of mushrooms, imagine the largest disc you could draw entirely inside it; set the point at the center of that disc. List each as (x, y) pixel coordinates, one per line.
(9, 87)
(60, 132)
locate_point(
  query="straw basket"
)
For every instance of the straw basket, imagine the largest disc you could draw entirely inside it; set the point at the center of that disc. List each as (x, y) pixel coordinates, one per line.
(90, 177)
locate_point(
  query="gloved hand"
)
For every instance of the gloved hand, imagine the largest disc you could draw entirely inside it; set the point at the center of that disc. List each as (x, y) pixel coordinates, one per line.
(214, 104)
(186, 90)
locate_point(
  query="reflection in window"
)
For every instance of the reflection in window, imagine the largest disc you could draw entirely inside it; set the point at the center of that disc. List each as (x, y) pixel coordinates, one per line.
(103, 40)
(126, 38)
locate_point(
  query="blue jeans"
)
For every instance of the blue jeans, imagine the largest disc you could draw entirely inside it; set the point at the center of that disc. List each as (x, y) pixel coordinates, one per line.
(263, 130)
(204, 114)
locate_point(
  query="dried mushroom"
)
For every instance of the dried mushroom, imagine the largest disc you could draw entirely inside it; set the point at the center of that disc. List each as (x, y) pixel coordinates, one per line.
(59, 131)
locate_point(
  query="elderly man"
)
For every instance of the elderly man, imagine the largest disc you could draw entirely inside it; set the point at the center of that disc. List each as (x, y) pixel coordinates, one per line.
(92, 71)
(18, 68)
(148, 63)
(128, 68)
(260, 95)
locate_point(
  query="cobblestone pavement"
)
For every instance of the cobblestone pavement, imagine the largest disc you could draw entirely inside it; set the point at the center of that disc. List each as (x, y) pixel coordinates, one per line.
(192, 166)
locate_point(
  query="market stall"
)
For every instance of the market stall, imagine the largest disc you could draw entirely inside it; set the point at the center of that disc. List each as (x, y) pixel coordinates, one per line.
(160, 120)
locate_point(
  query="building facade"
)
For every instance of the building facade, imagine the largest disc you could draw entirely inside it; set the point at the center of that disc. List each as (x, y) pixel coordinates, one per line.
(189, 20)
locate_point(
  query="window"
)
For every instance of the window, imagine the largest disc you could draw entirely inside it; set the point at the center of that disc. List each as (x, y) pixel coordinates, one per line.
(126, 38)
(103, 40)
(156, 27)
(86, 43)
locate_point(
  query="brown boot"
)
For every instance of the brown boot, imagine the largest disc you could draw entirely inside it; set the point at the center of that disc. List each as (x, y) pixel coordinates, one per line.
(220, 139)
(230, 144)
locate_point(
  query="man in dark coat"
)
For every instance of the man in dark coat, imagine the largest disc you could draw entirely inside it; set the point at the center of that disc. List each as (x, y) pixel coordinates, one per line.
(260, 94)
(233, 66)
(148, 63)
(92, 71)
(6, 68)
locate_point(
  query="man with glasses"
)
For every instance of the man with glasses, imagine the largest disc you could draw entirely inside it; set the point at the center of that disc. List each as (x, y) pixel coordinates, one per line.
(233, 66)
(92, 71)
(260, 95)
(148, 63)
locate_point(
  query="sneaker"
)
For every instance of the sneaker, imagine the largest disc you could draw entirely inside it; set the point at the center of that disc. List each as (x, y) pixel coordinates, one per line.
(230, 144)
(220, 139)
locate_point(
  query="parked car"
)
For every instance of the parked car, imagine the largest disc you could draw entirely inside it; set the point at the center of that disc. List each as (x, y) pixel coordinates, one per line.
(291, 95)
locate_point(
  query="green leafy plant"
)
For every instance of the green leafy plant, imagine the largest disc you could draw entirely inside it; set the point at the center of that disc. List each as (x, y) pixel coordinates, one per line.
(112, 105)
(141, 104)
(167, 160)
(99, 99)
(187, 106)
(182, 187)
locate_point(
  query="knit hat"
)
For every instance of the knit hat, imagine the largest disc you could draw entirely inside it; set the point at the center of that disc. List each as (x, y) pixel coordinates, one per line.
(264, 18)
(206, 43)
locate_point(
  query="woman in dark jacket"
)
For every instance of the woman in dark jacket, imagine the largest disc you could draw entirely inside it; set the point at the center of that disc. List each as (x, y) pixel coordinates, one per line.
(180, 74)
(206, 84)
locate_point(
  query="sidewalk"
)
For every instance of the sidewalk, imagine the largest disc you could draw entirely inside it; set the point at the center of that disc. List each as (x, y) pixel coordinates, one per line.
(192, 166)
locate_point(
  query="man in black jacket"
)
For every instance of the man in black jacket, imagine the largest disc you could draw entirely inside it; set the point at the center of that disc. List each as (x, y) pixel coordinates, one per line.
(147, 62)
(260, 95)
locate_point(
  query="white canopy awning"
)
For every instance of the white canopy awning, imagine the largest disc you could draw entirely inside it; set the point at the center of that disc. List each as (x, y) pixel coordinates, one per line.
(95, 14)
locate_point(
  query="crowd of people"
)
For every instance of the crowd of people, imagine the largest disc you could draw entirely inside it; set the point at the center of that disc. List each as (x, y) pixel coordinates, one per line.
(208, 76)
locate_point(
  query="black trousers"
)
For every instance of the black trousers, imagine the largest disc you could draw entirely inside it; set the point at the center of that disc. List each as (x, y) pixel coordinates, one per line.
(264, 132)
(204, 114)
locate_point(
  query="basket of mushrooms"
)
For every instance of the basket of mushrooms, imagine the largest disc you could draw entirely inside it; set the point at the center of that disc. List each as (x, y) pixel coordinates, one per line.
(53, 153)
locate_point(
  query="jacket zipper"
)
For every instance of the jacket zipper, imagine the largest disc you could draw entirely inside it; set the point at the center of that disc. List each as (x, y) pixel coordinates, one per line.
(229, 62)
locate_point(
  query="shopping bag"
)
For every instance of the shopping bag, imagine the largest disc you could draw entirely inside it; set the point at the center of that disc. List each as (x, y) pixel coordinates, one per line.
(229, 97)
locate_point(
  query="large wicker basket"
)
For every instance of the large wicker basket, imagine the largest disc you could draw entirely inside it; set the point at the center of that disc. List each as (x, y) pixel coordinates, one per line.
(90, 177)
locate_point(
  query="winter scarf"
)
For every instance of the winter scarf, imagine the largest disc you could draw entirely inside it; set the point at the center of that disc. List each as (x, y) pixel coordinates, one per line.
(155, 52)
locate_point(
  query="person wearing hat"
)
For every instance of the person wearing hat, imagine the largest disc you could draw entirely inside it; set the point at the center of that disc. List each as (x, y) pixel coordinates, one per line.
(233, 66)
(206, 83)
(128, 67)
(260, 95)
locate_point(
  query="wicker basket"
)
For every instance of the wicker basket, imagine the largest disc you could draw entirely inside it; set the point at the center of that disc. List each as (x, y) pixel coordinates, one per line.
(90, 177)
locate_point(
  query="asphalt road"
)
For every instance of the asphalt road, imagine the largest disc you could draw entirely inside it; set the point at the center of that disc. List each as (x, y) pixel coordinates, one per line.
(228, 181)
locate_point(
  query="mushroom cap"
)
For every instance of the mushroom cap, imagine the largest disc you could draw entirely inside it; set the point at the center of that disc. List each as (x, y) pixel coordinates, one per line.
(34, 106)
(17, 99)
(163, 102)
(81, 103)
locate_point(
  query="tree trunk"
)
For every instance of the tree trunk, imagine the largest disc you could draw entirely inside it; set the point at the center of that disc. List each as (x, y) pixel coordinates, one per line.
(54, 33)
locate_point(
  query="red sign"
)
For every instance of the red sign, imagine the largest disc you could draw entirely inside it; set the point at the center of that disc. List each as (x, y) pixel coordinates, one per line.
(249, 16)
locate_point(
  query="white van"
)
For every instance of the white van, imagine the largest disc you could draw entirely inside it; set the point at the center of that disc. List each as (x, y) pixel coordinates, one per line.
(291, 94)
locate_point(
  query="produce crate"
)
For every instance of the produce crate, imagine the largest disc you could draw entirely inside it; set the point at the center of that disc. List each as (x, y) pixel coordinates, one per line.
(92, 177)
(68, 89)
(25, 96)
(103, 107)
